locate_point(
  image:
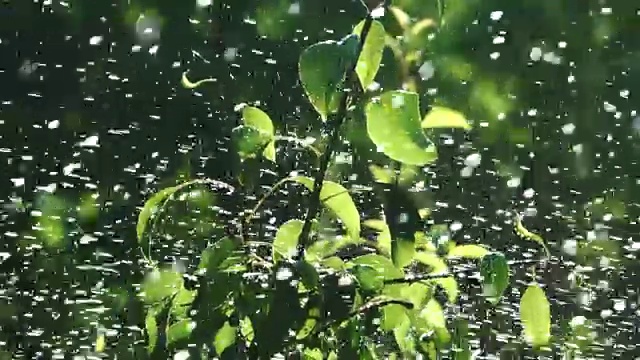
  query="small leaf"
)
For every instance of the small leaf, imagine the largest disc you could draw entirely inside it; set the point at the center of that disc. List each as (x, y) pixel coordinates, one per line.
(101, 342)
(321, 69)
(528, 235)
(467, 251)
(225, 337)
(151, 326)
(494, 272)
(149, 209)
(441, 117)
(337, 199)
(369, 278)
(258, 119)
(160, 284)
(371, 55)
(285, 244)
(187, 84)
(382, 265)
(393, 124)
(250, 141)
(535, 315)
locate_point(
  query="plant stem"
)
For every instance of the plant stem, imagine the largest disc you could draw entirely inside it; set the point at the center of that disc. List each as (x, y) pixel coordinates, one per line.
(335, 124)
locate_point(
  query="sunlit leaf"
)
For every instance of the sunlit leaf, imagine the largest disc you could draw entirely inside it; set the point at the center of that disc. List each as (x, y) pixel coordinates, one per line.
(441, 117)
(246, 329)
(528, 235)
(187, 84)
(309, 324)
(101, 342)
(393, 124)
(403, 337)
(402, 251)
(151, 327)
(159, 284)
(223, 255)
(382, 265)
(467, 251)
(321, 69)
(258, 119)
(383, 240)
(371, 55)
(535, 315)
(150, 207)
(312, 354)
(337, 199)
(250, 141)
(179, 331)
(494, 273)
(431, 317)
(450, 286)
(285, 244)
(225, 337)
(431, 260)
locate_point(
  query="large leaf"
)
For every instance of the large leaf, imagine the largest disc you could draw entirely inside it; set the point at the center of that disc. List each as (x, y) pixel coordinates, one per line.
(494, 272)
(441, 117)
(535, 315)
(371, 55)
(393, 124)
(321, 69)
(337, 199)
(285, 244)
(160, 284)
(258, 119)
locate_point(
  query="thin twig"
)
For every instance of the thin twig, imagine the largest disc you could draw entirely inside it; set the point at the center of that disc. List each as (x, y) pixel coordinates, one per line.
(335, 123)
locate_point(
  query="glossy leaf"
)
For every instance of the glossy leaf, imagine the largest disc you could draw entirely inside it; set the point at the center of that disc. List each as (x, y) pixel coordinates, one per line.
(371, 55)
(250, 141)
(225, 337)
(337, 199)
(441, 117)
(149, 209)
(467, 251)
(535, 315)
(321, 69)
(393, 124)
(285, 244)
(258, 119)
(160, 284)
(494, 273)
(179, 331)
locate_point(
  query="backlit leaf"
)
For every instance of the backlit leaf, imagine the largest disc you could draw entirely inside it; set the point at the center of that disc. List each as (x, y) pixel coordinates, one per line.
(467, 251)
(159, 284)
(441, 117)
(285, 244)
(371, 55)
(393, 124)
(535, 315)
(225, 337)
(258, 119)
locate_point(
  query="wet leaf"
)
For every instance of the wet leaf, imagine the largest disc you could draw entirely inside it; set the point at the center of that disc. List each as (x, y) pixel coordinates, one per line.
(494, 272)
(258, 119)
(337, 199)
(441, 117)
(160, 284)
(285, 244)
(250, 141)
(371, 55)
(321, 69)
(467, 251)
(393, 124)
(225, 337)
(535, 315)
(150, 208)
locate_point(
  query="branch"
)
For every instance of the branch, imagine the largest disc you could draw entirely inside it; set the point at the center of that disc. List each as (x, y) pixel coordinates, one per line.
(373, 304)
(335, 123)
(446, 274)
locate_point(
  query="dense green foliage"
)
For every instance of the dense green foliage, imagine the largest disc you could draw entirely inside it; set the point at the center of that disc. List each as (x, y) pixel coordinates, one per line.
(365, 191)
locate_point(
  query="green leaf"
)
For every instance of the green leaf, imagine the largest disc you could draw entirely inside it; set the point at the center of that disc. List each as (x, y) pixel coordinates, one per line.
(382, 265)
(258, 119)
(149, 209)
(402, 251)
(151, 326)
(250, 141)
(403, 337)
(225, 337)
(431, 260)
(467, 251)
(384, 235)
(431, 317)
(441, 117)
(369, 278)
(181, 330)
(160, 284)
(535, 315)
(371, 55)
(337, 199)
(223, 255)
(181, 303)
(312, 354)
(285, 244)
(393, 124)
(321, 69)
(461, 348)
(494, 273)
(450, 286)
(324, 248)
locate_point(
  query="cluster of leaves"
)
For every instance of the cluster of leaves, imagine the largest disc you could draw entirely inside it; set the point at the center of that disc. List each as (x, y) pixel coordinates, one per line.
(304, 296)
